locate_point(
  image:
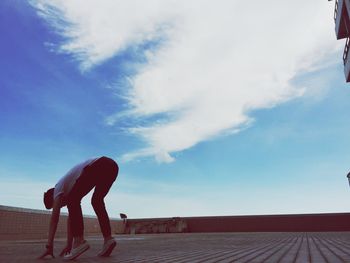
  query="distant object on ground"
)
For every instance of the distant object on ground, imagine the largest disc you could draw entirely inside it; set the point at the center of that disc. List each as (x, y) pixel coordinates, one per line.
(342, 30)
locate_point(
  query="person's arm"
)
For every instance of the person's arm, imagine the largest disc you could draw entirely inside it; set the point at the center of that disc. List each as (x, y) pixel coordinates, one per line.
(55, 215)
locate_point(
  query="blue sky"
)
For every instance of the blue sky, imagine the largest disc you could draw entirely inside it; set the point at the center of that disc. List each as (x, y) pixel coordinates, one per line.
(200, 123)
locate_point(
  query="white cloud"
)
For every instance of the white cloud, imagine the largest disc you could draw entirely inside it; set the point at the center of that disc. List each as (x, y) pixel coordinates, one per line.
(219, 61)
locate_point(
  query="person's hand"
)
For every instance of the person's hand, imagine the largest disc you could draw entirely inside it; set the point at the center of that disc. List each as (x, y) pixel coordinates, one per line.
(48, 252)
(66, 250)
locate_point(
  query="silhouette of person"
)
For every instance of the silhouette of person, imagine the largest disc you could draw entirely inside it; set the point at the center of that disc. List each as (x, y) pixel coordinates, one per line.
(99, 173)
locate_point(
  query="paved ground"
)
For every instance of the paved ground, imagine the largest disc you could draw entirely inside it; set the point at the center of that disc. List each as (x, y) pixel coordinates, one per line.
(216, 247)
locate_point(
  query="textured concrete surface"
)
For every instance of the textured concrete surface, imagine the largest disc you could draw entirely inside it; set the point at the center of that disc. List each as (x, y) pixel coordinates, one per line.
(321, 247)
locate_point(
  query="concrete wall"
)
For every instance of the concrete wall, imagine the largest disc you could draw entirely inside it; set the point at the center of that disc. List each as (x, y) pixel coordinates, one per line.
(268, 223)
(271, 223)
(19, 223)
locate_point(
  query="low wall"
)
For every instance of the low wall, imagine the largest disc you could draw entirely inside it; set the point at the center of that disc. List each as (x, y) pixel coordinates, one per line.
(262, 223)
(271, 223)
(21, 223)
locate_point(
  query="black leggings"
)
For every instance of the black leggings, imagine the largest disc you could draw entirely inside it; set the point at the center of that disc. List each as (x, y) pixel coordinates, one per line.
(101, 175)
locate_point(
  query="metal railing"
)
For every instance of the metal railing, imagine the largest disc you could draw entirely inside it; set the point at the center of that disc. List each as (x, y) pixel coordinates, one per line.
(335, 10)
(346, 50)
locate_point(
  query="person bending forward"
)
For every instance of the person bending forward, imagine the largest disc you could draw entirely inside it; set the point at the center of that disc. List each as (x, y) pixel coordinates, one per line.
(99, 173)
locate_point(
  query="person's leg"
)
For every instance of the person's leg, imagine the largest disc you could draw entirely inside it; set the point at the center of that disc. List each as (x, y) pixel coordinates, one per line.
(76, 221)
(107, 172)
(81, 188)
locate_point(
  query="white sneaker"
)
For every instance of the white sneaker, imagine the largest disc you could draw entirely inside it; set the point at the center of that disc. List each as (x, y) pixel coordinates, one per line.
(76, 252)
(107, 248)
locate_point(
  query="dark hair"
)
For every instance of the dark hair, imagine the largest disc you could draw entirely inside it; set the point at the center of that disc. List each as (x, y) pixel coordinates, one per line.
(48, 198)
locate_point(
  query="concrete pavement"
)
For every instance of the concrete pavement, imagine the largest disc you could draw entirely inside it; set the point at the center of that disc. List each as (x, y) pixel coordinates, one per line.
(321, 247)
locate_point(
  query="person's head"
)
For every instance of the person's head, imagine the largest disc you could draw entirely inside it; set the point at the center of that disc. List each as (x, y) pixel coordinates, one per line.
(48, 198)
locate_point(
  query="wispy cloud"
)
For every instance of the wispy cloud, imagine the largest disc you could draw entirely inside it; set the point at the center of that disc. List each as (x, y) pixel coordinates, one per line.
(218, 61)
